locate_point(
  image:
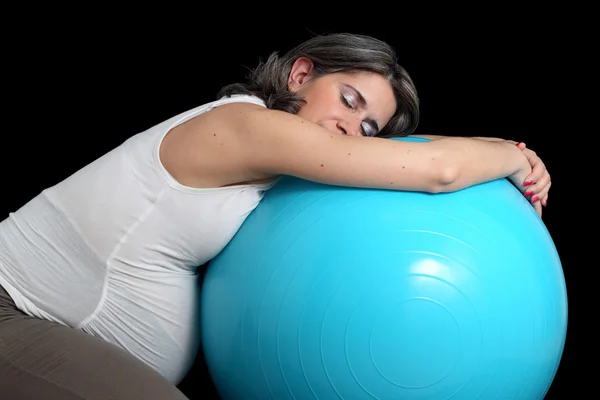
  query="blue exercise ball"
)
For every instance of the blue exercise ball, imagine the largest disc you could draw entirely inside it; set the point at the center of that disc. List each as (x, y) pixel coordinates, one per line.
(343, 293)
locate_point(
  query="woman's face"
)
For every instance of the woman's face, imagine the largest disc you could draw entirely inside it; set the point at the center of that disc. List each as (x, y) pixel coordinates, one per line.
(358, 104)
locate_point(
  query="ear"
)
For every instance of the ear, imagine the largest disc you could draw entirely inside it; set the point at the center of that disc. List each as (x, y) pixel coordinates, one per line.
(301, 72)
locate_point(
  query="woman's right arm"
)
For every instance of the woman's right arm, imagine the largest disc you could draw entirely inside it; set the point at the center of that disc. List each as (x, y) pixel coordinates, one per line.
(268, 142)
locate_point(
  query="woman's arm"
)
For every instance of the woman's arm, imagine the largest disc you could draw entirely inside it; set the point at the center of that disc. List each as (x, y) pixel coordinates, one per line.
(489, 139)
(268, 142)
(430, 137)
(538, 182)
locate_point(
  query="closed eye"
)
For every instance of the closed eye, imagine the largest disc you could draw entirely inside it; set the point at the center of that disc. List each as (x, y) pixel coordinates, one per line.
(346, 101)
(367, 127)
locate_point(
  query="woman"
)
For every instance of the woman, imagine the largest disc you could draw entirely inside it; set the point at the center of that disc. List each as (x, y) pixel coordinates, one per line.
(98, 274)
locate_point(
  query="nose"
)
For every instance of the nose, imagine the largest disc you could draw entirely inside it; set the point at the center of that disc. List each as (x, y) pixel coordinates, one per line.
(348, 127)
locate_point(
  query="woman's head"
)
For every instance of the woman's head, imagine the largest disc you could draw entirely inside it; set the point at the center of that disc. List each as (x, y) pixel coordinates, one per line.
(304, 79)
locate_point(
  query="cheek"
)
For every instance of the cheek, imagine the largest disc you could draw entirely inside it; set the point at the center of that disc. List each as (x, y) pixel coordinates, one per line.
(311, 110)
(322, 106)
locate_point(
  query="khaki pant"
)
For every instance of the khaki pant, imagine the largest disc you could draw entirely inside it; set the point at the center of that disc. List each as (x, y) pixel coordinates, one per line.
(44, 360)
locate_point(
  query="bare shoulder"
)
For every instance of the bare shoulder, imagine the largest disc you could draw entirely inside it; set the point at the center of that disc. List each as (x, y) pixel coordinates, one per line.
(225, 117)
(206, 151)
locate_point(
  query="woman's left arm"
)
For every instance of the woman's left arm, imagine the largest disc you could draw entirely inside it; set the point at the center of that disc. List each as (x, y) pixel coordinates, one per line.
(539, 177)
(489, 139)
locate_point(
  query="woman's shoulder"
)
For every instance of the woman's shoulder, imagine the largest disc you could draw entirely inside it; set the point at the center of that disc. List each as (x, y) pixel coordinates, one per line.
(237, 99)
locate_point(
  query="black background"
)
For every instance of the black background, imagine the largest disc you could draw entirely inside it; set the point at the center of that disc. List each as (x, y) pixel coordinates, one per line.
(77, 83)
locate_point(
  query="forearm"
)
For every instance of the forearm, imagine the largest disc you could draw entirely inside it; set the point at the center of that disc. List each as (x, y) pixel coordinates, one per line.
(472, 161)
(437, 137)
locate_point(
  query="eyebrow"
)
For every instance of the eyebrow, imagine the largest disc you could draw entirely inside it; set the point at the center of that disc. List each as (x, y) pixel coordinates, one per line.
(363, 103)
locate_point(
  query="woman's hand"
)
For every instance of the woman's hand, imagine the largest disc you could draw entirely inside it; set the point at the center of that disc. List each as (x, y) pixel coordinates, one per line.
(533, 181)
(538, 182)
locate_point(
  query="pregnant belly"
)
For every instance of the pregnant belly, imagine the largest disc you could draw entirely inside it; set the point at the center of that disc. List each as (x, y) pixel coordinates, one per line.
(157, 322)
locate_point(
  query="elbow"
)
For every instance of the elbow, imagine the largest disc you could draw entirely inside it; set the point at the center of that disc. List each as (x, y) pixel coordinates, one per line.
(445, 179)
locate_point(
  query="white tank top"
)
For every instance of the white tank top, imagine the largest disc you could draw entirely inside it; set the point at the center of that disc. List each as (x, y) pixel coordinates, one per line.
(114, 249)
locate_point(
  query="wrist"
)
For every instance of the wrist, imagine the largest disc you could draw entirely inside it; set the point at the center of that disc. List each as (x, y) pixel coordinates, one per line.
(519, 160)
